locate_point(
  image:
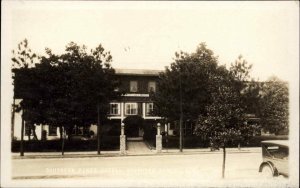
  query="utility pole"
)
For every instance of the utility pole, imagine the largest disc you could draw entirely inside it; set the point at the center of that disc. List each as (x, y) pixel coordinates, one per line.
(22, 134)
(167, 136)
(98, 128)
(13, 113)
(181, 115)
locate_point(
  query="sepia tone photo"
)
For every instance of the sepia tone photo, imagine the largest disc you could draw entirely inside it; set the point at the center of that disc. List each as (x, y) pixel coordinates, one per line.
(149, 94)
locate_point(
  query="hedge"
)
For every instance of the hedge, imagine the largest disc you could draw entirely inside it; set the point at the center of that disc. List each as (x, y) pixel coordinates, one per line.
(108, 143)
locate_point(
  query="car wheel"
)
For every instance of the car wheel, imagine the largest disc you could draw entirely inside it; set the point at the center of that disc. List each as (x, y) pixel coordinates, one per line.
(267, 171)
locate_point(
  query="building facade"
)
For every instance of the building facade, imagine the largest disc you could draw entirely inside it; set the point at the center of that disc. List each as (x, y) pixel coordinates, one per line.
(136, 85)
(135, 104)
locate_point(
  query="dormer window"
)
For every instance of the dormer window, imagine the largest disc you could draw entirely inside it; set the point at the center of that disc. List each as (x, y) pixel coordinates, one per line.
(133, 86)
(151, 86)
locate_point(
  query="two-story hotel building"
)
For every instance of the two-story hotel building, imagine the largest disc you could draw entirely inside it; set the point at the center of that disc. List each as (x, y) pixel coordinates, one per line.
(137, 84)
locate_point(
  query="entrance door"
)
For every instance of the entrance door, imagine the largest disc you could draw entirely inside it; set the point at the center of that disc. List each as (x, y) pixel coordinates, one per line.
(132, 125)
(132, 130)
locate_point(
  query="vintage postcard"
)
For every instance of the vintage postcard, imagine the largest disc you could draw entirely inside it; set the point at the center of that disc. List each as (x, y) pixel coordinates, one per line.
(149, 94)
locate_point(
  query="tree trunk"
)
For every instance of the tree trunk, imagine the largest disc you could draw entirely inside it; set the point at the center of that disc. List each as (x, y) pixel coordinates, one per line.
(60, 133)
(22, 136)
(13, 120)
(181, 116)
(69, 132)
(28, 124)
(224, 159)
(34, 133)
(98, 129)
(167, 137)
(63, 143)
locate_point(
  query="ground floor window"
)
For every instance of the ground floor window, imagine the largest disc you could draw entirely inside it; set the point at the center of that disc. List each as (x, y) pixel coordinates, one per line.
(52, 130)
(131, 108)
(28, 131)
(187, 128)
(77, 130)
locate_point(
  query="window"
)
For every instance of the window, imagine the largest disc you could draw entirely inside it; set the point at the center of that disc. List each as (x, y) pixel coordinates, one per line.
(77, 130)
(149, 108)
(52, 130)
(28, 131)
(188, 128)
(86, 130)
(114, 109)
(151, 86)
(172, 126)
(131, 108)
(133, 86)
(278, 152)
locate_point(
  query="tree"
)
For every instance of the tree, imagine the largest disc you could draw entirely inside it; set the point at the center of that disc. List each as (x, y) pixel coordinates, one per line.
(248, 91)
(23, 80)
(194, 70)
(247, 86)
(224, 120)
(81, 86)
(65, 90)
(274, 106)
(182, 89)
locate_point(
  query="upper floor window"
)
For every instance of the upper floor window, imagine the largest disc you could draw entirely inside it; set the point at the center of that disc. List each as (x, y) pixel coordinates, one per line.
(151, 86)
(131, 108)
(149, 108)
(133, 86)
(114, 108)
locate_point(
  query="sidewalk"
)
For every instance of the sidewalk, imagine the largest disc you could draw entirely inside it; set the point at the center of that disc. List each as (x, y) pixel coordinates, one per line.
(49, 155)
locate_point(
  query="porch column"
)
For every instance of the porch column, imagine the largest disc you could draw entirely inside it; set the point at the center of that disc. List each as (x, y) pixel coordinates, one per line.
(144, 110)
(158, 140)
(122, 140)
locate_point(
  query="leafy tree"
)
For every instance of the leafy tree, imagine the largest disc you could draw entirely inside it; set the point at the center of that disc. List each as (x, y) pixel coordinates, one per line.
(183, 90)
(248, 87)
(65, 90)
(23, 75)
(211, 94)
(274, 106)
(224, 121)
(191, 71)
(81, 86)
(240, 69)
(248, 91)
(23, 57)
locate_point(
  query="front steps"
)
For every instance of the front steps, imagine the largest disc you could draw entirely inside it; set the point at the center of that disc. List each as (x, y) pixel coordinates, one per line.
(135, 138)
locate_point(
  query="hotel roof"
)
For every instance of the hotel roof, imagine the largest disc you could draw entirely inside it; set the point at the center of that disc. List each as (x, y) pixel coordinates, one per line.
(144, 72)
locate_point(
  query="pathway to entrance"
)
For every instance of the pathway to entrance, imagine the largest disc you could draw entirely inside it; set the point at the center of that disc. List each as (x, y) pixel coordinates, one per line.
(137, 147)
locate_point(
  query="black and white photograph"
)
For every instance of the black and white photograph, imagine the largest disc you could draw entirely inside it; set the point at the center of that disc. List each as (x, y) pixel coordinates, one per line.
(149, 93)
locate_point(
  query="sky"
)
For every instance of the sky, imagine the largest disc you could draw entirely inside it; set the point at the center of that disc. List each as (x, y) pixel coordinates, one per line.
(146, 35)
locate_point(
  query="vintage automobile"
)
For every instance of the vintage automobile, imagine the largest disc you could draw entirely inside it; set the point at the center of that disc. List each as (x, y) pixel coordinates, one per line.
(275, 155)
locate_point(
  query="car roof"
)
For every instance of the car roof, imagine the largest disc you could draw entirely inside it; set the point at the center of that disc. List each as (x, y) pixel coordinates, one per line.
(277, 142)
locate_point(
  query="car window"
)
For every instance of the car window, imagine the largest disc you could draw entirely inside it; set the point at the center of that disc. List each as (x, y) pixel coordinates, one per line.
(278, 152)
